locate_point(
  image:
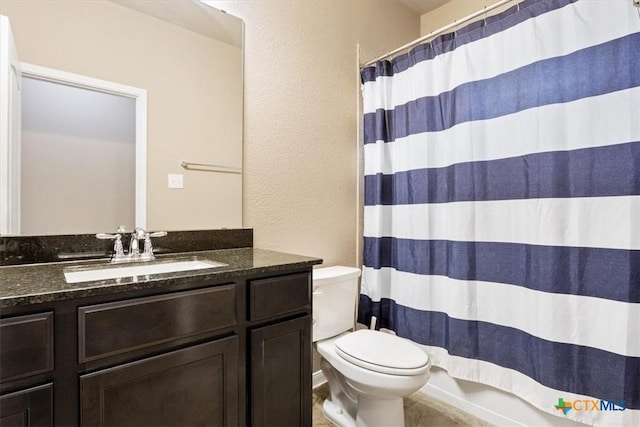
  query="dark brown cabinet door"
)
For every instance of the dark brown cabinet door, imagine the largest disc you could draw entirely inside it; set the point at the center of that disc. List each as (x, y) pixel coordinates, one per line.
(281, 374)
(31, 407)
(27, 346)
(195, 386)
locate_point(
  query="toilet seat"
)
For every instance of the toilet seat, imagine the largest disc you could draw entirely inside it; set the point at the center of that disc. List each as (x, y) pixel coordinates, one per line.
(381, 352)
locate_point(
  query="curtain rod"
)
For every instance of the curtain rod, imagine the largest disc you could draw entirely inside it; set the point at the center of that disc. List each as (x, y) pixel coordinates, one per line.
(438, 32)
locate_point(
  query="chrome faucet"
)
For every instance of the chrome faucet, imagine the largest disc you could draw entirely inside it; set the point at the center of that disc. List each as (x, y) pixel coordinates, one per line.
(134, 245)
(134, 250)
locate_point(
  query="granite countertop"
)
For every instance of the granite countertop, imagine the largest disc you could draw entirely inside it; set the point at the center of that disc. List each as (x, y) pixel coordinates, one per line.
(40, 283)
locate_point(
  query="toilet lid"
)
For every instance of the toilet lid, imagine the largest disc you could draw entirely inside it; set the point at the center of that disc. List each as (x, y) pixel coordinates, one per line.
(382, 352)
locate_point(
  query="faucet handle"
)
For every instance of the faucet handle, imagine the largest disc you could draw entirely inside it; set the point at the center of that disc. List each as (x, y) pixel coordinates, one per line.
(106, 236)
(148, 246)
(118, 250)
(156, 234)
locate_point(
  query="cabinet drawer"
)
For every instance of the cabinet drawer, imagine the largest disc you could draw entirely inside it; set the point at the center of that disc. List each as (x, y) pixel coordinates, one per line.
(279, 295)
(27, 346)
(118, 327)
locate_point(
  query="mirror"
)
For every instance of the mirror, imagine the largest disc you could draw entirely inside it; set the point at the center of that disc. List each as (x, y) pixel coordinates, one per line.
(188, 57)
(73, 127)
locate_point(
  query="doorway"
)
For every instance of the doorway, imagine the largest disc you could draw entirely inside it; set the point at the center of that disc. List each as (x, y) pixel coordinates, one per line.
(83, 154)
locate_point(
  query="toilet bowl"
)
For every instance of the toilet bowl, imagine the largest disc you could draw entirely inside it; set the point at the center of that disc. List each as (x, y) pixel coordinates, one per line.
(369, 372)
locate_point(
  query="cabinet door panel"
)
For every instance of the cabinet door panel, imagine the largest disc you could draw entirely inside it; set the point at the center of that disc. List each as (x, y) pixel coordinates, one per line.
(194, 386)
(31, 407)
(281, 374)
(27, 346)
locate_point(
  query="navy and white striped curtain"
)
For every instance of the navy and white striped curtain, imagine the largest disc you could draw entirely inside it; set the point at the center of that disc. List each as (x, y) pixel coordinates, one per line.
(502, 204)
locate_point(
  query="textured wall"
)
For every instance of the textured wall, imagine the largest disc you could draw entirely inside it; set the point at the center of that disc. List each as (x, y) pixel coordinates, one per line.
(453, 11)
(301, 117)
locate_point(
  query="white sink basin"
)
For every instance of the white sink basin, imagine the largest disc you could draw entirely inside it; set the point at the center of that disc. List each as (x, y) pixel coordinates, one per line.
(83, 274)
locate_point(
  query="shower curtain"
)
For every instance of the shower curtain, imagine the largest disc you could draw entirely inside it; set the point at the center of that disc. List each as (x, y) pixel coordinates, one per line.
(502, 204)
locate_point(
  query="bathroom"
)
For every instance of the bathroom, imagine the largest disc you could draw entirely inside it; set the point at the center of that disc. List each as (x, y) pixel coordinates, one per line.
(301, 155)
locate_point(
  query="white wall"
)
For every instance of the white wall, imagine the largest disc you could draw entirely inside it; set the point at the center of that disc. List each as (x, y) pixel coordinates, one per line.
(78, 159)
(493, 405)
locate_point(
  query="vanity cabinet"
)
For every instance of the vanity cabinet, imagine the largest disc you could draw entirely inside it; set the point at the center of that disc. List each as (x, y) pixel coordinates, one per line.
(232, 351)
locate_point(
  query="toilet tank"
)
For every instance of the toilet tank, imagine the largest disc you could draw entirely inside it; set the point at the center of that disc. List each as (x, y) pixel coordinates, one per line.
(335, 290)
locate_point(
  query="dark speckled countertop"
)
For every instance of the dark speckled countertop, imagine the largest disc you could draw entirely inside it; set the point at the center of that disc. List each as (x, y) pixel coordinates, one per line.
(39, 283)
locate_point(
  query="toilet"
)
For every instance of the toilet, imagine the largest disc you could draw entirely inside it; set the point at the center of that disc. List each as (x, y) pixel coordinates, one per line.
(369, 372)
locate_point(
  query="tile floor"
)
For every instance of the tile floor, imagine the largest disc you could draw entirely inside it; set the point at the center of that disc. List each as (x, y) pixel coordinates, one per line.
(420, 410)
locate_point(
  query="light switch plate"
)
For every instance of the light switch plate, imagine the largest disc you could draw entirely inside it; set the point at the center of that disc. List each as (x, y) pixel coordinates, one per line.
(176, 180)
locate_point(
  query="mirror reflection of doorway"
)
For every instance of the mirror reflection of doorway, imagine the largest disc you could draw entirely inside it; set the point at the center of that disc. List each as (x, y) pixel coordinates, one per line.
(78, 159)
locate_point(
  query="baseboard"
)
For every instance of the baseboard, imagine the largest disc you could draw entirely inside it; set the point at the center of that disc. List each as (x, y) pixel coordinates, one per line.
(469, 407)
(318, 379)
